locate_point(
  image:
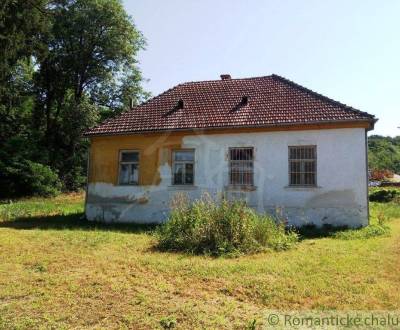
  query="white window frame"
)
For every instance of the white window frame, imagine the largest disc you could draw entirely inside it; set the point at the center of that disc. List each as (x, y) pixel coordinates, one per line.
(182, 162)
(302, 161)
(243, 165)
(120, 163)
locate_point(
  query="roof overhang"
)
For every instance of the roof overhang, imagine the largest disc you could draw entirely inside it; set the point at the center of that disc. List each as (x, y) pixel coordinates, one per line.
(368, 124)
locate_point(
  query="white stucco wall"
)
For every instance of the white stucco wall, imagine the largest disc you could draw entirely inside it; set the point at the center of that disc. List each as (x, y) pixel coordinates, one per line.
(340, 197)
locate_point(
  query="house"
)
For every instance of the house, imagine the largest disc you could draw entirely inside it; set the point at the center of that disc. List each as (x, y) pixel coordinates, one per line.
(266, 140)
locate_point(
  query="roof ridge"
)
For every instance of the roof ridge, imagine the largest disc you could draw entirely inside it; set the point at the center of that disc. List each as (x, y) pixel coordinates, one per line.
(224, 80)
(321, 96)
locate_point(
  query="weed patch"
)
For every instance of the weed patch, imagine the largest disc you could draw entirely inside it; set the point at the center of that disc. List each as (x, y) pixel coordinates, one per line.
(224, 228)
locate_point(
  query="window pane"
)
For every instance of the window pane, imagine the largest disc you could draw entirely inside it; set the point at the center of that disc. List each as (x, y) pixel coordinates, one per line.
(178, 174)
(293, 178)
(248, 178)
(241, 166)
(302, 153)
(189, 174)
(241, 154)
(129, 156)
(134, 174)
(184, 155)
(309, 166)
(302, 165)
(235, 178)
(309, 178)
(124, 174)
(294, 167)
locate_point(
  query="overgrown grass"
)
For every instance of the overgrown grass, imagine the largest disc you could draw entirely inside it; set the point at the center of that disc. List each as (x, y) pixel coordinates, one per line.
(377, 227)
(59, 272)
(221, 228)
(66, 204)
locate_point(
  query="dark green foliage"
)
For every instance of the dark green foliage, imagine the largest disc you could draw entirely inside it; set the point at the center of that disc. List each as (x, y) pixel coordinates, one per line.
(26, 178)
(384, 153)
(383, 196)
(64, 66)
(225, 228)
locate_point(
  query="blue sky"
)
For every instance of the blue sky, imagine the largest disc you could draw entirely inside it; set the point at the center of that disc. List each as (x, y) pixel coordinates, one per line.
(347, 50)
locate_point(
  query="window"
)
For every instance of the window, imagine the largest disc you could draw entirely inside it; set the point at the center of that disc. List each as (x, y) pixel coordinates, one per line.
(241, 166)
(303, 166)
(129, 167)
(183, 167)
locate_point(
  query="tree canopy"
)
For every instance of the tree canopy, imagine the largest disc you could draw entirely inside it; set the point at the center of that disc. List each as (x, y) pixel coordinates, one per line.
(65, 65)
(384, 153)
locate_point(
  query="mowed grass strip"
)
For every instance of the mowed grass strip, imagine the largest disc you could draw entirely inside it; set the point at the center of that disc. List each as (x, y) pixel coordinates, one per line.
(57, 270)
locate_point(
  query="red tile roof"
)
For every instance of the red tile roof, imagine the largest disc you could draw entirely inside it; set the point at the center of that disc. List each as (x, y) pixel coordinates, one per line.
(271, 101)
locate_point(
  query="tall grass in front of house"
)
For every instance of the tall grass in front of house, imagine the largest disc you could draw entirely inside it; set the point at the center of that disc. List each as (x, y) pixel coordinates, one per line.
(378, 225)
(221, 228)
(384, 206)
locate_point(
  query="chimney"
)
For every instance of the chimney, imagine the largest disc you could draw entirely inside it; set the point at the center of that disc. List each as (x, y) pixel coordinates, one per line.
(225, 76)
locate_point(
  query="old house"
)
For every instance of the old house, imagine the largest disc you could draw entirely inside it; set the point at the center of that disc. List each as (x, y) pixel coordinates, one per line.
(266, 140)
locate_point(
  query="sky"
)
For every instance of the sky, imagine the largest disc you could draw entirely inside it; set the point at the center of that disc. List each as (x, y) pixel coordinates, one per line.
(346, 50)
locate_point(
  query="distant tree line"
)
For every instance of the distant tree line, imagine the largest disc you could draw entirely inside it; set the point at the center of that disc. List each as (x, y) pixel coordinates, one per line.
(65, 65)
(384, 153)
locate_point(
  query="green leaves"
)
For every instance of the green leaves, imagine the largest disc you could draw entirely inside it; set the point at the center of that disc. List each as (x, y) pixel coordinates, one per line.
(384, 153)
(64, 66)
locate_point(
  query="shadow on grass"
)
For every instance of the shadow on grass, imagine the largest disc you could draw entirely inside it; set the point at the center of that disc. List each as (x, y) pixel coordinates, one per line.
(312, 231)
(76, 221)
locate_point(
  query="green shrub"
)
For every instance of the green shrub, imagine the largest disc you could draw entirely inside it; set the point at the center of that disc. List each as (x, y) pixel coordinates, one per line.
(27, 178)
(383, 196)
(208, 227)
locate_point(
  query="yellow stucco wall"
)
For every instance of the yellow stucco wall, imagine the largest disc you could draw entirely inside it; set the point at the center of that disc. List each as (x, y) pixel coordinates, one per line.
(154, 150)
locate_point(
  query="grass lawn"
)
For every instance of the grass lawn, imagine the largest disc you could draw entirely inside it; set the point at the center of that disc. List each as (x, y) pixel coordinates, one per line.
(58, 271)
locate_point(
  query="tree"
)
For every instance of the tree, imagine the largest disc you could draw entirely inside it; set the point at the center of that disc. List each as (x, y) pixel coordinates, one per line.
(384, 153)
(90, 59)
(64, 65)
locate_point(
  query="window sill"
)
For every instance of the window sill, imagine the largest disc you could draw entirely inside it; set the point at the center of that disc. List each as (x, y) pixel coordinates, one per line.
(302, 188)
(127, 185)
(182, 187)
(241, 188)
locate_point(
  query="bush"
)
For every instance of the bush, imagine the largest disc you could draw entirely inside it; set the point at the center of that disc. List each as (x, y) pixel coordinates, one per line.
(383, 196)
(207, 227)
(27, 178)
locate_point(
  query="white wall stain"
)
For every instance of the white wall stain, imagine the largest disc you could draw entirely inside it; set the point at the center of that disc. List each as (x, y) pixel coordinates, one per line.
(339, 198)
